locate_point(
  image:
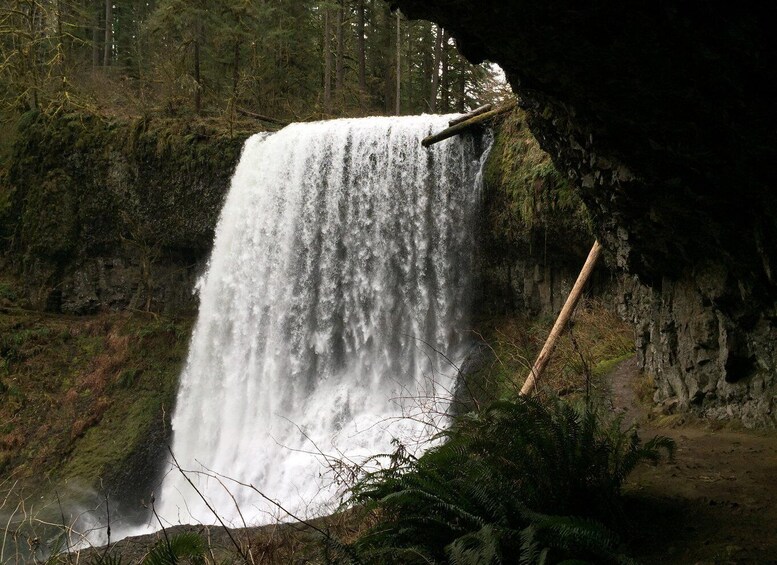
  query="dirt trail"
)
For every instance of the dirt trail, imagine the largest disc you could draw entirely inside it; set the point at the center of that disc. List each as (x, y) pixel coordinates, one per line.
(716, 503)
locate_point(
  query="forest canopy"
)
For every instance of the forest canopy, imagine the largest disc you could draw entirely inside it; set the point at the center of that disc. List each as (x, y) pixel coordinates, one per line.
(283, 59)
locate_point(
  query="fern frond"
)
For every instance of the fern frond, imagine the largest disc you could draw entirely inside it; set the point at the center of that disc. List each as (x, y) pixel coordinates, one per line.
(507, 482)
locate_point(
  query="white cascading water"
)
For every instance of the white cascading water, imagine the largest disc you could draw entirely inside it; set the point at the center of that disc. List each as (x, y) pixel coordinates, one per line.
(340, 273)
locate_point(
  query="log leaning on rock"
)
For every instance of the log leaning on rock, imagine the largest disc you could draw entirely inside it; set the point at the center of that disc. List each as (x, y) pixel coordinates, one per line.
(566, 312)
(465, 125)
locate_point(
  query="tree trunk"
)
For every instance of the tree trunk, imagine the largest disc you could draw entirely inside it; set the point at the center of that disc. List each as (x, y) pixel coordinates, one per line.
(409, 57)
(426, 61)
(388, 61)
(470, 121)
(444, 75)
(566, 313)
(235, 69)
(340, 63)
(436, 70)
(474, 113)
(33, 56)
(360, 46)
(108, 46)
(60, 36)
(398, 92)
(462, 94)
(97, 16)
(197, 76)
(235, 80)
(327, 62)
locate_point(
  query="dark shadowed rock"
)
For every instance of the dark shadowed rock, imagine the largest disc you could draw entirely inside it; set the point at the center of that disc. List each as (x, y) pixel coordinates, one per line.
(663, 115)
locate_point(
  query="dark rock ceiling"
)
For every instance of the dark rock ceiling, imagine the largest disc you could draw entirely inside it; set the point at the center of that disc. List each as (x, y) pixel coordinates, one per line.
(664, 112)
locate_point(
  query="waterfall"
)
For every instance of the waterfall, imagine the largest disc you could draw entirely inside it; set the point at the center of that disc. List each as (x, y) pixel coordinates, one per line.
(339, 283)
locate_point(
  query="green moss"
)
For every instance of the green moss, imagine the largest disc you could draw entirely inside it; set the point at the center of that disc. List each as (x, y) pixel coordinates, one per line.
(80, 185)
(606, 366)
(110, 444)
(526, 197)
(142, 396)
(85, 395)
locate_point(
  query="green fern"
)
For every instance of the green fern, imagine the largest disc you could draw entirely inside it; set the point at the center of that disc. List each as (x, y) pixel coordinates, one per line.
(519, 479)
(482, 546)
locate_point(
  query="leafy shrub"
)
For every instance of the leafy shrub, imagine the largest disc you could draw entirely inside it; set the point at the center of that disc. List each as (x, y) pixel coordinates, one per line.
(519, 481)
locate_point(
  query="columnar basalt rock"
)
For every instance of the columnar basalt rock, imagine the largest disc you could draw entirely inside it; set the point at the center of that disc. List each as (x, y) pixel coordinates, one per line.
(699, 356)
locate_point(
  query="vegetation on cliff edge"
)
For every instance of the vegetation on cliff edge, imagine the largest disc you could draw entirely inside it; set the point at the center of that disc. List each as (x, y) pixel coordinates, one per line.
(530, 205)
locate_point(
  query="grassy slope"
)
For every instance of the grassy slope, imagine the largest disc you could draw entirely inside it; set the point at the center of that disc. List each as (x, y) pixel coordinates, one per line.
(594, 343)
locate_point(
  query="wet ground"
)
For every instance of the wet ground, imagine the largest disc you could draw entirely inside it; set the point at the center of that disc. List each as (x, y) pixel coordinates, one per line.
(716, 503)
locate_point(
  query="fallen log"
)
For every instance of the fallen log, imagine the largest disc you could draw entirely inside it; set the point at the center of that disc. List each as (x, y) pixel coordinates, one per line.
(476, 112)
(566, 312)
(262, 117)
(465, 125)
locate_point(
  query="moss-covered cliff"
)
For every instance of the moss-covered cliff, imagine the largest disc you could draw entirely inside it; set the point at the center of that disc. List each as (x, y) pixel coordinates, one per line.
(535, 231)
(107, 213)
(101, 219)
(120, 214)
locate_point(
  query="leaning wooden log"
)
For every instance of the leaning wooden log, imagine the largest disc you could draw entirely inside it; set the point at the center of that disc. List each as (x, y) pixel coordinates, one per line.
(476, 112)
(465, 125)
(262, 117)
(563, 318)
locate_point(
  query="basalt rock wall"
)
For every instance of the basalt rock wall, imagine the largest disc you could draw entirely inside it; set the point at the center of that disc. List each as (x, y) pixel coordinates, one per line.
(662, 115)
(702, 357)
(114, 214)
(534, 233)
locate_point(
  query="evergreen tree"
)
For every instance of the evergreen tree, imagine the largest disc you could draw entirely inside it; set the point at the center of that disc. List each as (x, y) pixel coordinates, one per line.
(290, 59)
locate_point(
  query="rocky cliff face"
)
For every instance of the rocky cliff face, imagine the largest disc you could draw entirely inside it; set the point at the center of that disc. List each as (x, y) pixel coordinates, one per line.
(120, 214)
(535, 232)
(114, 214)
(663, 117)
(702, 357)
